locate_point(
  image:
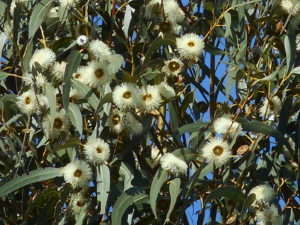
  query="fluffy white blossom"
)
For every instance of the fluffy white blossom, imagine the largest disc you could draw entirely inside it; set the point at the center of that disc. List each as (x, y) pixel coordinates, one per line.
(173, 164)
(166, 90)
(58, 71)
(268, 215)
(115, 121)
(77, 173)
(67, 3)
(81, 74)
(43, 101)
(55, 123)
(39, 80)
(156, 154)
(96, 150)
(134, 126)
(168, 27)
(190, 46)
(75, 95)
(97, 74)
(263, 193)
(99, 49)
(216, 151)
(82, 40)
(224, 125)
(270, 107)
(27, 102)
(172, 67)
(155, 9)
(45, 57)
(150, 98)
(291, 6)
(77, 202)
(126, 95)
(173, 12)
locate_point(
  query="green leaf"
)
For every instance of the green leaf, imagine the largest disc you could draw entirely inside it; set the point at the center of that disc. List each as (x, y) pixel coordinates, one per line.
(50, 93)
(75, 117)
(159, 179)
(11, 120)
(156, 45)
(87, 92)
(191, 127)
(72, 65)
(174, 192)
(103, 186)
(126, 172)
(186, 154)
(32, 177)
(290, 50)
(232, 193)
(37, 16)
(247, 204)
(133, 195)
(260, 127)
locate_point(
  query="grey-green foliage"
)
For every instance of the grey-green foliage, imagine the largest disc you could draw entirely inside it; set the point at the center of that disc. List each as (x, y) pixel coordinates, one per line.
(250, 58)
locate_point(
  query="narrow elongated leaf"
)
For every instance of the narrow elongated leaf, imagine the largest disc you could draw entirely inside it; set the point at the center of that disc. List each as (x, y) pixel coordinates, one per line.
(72, 65)
(174, 192)
(127, 198)
(186, 154)
(232, 193)
(156, 45)
(38, 15)
(32, 177)
(192, 127)
(127, 174)
(3, 75)
(248, 202)
(103, 186)
(260, 127)
(75, 116)
(87, 93)
(159, 179)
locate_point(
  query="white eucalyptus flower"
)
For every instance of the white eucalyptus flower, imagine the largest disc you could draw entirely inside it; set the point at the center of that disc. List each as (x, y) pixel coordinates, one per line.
(39, 80)
(268, 215)
(224, 125)
(77, 173)
(134, 126)
(81, 74)
(291, 6)
(27, 102)
(190, 46)
(116, 121)
(173, 164)
(216, 151)
(55, 123)
(99, 49)
(166, 90)
(58, 71)
(96, 150)
(126, 95)
(173, 12)
(67, 3)
(150, 98)
(270, 107)
(172, 67)
(97, 74)
(263, 193)
(77, 202)
(45, 57)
